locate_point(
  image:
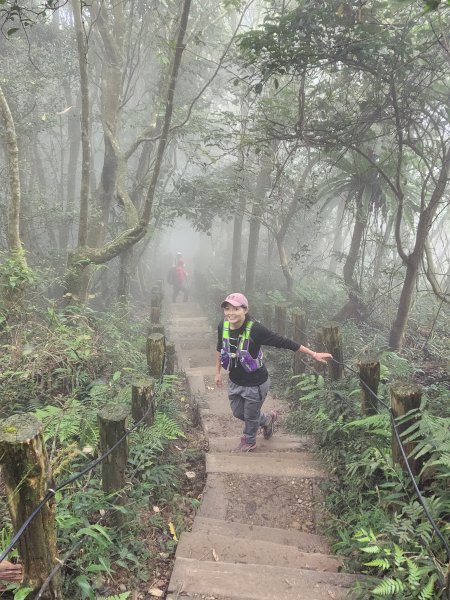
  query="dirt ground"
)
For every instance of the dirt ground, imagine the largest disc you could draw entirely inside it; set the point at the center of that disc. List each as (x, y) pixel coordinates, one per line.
(287, 503)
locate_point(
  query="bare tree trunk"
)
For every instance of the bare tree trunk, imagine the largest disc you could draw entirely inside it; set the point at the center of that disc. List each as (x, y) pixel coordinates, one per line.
(284, 263)
(338, 238)
(12, 153)
(355, 245)
(412, 260)
(381, 252)
(73, 131)
(281, 231)
(262, 184)
(236, 254)
(253, 244)
(126, 259)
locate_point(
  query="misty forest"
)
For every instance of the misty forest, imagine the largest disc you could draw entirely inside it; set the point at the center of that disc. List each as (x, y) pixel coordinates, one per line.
(296, 151)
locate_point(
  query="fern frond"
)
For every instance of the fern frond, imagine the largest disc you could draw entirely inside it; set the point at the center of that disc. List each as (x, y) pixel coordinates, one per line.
(427, 592)
(388, 586)
(380, 563)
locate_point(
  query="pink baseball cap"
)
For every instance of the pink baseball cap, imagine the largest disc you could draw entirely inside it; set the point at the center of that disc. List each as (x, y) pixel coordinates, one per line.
(236, 299)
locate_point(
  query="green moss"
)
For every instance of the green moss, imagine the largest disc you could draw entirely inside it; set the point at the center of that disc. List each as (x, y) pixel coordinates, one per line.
(9, 429)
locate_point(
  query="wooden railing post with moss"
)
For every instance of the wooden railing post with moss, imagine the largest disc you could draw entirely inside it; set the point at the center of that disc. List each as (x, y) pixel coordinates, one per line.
(280, 319)
(155, 354)
(26, 475)
(332, 340)
(405, 397)
(369, 374)
(267, 315)
(112, 421)
(156, 304)
(170, 358)
(142, 400)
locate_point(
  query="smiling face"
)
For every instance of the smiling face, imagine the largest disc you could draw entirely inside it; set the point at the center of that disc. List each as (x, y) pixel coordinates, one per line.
(235, 315)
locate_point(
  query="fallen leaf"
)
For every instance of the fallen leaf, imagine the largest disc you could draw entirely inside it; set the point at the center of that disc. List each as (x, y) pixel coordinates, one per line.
(214, 553)
(156, 509)
(190, 474)
(156, 592)
(172, 531)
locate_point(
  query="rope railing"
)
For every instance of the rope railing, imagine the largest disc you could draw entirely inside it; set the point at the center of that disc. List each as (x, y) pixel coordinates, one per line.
(419, 495)
(405, 459)
(52, 491)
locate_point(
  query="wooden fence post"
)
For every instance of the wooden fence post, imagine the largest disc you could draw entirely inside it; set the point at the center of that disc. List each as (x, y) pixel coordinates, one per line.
(280, 319)
(112, 424)
(156, 328)
(26, 474)
(170, 358)
(405, 396)
(332, 341)
(369, 373)
(155, 354)
(267, 315)
(298, 335)
(142, 391)
(156, 304)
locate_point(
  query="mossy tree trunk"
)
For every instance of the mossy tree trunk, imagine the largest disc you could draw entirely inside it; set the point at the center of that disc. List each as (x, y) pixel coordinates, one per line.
(13, 293)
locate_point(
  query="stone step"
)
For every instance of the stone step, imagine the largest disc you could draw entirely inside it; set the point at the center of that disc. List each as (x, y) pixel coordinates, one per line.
(196, 384)
(301, 465)
(255, 582)
(226, 548)
(305, 542)
(203, 371)
(278, 443)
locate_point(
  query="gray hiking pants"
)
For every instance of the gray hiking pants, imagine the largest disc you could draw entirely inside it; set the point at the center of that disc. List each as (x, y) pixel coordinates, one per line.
(246, 403)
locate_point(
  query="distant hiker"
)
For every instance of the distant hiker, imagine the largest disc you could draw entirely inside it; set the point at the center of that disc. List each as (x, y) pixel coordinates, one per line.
(239, 342)
(178, 278)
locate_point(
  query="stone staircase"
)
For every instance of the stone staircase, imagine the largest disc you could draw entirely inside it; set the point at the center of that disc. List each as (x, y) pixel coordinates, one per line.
(254, 536)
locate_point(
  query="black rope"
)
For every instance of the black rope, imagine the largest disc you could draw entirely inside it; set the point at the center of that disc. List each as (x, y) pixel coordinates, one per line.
(405, 458)
(52, 491)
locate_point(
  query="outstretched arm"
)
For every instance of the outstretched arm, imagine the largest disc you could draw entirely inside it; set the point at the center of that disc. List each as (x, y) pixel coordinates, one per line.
(319, 356)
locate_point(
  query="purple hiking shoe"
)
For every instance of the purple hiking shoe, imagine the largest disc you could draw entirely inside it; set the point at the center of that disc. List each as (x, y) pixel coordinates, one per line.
(270, 427)
(245, 446)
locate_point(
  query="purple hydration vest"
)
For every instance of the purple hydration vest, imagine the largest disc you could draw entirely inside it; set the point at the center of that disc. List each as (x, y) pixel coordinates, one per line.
(249, 364)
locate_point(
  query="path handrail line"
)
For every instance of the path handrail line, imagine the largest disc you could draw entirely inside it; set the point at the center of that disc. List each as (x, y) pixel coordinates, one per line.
(52, 491)
(404, 456)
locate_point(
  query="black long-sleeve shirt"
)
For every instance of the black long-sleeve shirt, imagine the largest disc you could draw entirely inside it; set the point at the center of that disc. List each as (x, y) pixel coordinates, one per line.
(259, 336)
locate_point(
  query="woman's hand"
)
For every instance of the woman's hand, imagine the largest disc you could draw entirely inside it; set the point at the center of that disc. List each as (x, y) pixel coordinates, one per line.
(321, 356)
(218, 379)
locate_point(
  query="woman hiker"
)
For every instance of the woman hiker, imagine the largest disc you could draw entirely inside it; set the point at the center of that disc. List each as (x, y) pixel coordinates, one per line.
(239, 343)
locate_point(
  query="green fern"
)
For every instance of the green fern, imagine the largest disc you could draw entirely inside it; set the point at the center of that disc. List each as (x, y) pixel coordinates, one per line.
(380, 563)
(167, 427)
(388, 586)
(427, 592)
(413, 573)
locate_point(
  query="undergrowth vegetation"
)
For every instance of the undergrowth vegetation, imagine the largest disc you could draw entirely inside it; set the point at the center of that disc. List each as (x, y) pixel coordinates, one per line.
(371, 509)
(64, 367)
